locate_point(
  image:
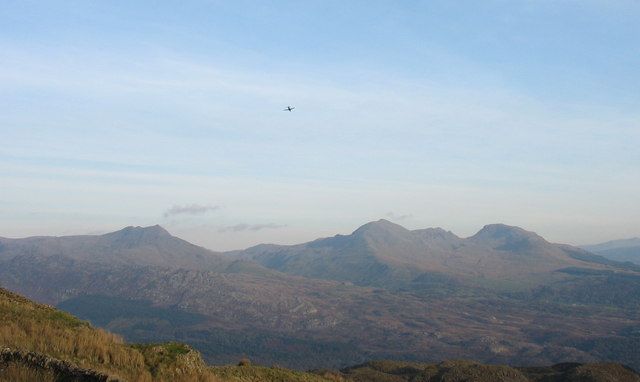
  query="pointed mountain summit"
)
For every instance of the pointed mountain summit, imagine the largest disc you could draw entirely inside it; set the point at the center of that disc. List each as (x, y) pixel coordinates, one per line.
(382, 235)
(381, 227)
(437, 234)
(438, 239)
(367, 256)
(510, 238)
(499, 230)
(133, 236)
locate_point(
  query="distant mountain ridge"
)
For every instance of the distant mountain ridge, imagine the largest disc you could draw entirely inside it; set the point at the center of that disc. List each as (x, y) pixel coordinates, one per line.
(614, 244)
(618, 250)
(378, 253)
(386, 254)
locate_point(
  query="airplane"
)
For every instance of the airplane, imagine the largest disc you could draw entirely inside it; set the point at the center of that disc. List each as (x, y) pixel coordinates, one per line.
(289, 108)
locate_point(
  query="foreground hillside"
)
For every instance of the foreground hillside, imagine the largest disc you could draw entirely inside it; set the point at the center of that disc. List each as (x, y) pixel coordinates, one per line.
(40, 343)
(501, 296)
(459, 371)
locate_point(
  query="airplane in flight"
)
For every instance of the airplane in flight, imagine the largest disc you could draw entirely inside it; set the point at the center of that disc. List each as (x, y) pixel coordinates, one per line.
(289, 108)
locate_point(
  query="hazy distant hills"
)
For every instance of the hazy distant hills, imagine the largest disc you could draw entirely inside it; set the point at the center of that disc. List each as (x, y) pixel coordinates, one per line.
(618, 250)
(382, 253)
(503, 295)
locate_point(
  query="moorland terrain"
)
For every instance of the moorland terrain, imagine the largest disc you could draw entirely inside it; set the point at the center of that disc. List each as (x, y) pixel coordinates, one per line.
(41, 343)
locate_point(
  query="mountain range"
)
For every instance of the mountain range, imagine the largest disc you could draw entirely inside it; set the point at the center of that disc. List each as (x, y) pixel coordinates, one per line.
(385, 254)
(502, 295)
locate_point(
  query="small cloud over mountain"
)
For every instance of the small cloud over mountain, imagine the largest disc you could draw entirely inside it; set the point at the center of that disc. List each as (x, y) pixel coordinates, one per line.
(397, 217)
(250, 227)
(189, 209)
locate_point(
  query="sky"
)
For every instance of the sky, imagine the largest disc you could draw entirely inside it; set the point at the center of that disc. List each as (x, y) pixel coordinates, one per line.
(451, 114)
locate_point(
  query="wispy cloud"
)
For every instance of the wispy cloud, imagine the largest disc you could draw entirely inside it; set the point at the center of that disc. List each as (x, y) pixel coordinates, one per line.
(250, 227)
(397, 217)
(190, 209)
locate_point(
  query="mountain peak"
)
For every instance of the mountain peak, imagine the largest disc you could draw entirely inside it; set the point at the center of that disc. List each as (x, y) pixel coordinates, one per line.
(499, 230)
(436, 232)
(152, 228)
(379, 227)
(502, 236)
(139, 234)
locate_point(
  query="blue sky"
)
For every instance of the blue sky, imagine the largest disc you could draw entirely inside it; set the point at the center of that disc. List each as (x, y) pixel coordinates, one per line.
(442, 113)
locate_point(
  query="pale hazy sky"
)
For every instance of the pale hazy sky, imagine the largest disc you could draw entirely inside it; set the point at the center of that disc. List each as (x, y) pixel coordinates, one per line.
(428, 113)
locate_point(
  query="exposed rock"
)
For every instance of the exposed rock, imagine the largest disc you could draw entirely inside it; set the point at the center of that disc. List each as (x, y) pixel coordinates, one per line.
(62, 369)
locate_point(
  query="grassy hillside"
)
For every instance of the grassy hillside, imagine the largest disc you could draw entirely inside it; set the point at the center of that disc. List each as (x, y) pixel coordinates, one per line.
(39, 330)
